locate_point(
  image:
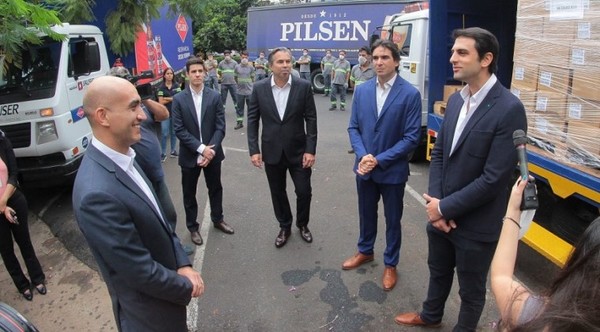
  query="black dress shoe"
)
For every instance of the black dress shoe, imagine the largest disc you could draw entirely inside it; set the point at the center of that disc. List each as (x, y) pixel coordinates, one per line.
(282, 237)
(41, 288)
(27, 294)
(223, 227)
(306, 234)
(197, 238)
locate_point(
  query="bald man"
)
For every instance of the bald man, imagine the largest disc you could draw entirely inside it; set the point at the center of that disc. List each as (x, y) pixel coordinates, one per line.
(147, 273)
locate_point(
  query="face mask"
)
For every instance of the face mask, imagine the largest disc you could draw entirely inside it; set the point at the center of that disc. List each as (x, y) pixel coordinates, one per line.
(341, 57)
(262, 56)
(362, 60)
(305, 53)
(328, 55)
(227, 58)
(244, 61)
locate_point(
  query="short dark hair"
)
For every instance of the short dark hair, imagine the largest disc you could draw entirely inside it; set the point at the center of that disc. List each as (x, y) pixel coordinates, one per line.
(305, 49)
(277, 50)
(366, 49)
(485, 42)
(226, 52)
(244, 52)
(390, 45)
(193, 61)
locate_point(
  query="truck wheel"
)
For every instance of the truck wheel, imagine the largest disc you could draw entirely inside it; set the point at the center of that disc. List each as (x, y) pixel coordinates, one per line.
(318, 83)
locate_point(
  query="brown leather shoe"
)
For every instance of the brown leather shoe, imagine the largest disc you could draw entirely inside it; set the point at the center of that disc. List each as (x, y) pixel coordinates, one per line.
(223, 227)
(389, 278)
(355, 261)
(413, 319)
(282, 237)
(197, 238)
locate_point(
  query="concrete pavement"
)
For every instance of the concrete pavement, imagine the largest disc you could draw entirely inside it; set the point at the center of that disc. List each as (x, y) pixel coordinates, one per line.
(77, 298)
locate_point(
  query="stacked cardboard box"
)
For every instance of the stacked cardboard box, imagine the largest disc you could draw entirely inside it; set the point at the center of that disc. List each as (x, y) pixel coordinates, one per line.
(556, 74)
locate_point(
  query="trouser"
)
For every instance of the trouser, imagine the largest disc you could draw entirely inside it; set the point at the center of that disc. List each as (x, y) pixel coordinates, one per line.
(239, 111)
(369, 193)
(276, 176)
(166, 204)
(338, 89)
(305, 75)
(212, 82)
(472, 260)
(327, 82)
(189, 183)
(232, 88)
(20, 234)
(167, 131)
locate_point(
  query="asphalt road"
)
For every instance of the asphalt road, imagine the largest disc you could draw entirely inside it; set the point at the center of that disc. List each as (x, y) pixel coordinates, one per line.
(253, 286)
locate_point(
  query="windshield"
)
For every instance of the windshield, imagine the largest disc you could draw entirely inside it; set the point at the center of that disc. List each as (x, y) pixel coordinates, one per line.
(35, 76)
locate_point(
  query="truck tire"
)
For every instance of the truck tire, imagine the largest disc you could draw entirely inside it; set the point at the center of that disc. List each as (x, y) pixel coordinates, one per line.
(12, 321)
(317, 81)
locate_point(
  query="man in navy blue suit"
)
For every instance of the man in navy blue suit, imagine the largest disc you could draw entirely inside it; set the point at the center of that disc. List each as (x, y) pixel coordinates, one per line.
(469, 181)
(384, 130)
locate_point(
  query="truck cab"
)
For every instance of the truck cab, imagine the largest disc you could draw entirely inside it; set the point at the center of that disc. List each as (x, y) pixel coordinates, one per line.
(41, 102)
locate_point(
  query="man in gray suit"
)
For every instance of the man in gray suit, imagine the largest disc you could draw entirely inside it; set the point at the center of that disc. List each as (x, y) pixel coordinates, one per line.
(147, 273)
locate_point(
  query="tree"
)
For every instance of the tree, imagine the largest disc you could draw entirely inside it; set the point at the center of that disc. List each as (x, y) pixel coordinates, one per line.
(222, 25)
(15, 18)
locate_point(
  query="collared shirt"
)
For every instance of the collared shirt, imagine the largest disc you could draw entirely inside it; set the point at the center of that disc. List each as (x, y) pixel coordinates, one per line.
(197, 97)
(470, 104)
(245, 78)
(383, 92)
(125, 162)
(360, 75)
(281, 95)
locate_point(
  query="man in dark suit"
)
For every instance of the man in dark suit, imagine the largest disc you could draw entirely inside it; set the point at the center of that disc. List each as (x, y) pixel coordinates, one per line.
(286, 106)
(471, 167)
(384, 130)
(148, 274)
(199, 123)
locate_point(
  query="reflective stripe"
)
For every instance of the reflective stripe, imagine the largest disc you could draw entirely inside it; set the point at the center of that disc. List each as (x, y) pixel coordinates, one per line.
(244, 80)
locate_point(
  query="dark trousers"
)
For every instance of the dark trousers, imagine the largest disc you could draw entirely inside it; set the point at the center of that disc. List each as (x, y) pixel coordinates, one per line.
(327, 83)
(189, 183)
(471, 259)
(232, 88)
(20, 233)
(276, 175)
(305, 75)
(211, 82)
(338, 90)
(369, 193)
(239, 111)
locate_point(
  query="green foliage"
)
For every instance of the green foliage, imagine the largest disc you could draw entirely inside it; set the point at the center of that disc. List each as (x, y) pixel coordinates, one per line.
(15, 18)
(75, 11)
(222, 25)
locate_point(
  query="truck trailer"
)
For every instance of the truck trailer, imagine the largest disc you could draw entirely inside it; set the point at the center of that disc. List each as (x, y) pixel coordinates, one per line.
(548, 51)
(317, 27)
(41, 97)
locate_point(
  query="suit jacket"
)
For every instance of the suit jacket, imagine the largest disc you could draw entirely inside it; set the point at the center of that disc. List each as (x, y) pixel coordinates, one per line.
(185, 124)
(392, 135)
(293, 136)
(136, 252)
(473, 182)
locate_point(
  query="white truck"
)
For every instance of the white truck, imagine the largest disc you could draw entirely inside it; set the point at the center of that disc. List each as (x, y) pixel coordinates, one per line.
(41, 99)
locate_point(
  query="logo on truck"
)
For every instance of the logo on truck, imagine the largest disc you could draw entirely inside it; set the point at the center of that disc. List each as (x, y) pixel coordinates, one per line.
(338, 28)
(12, 109)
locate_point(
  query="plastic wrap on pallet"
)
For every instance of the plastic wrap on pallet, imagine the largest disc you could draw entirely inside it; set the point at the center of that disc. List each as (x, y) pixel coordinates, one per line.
(556, 74)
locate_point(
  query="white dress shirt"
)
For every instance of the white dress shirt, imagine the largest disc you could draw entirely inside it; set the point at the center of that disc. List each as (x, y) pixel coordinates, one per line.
(383, 91)
(197, 97)
(281, 95)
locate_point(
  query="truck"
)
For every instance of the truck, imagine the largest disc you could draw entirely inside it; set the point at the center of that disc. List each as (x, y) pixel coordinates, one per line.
(317, 27)
(41, 97)
(568, 184)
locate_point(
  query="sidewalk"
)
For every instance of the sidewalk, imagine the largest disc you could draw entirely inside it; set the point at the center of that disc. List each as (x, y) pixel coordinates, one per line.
(77, 299)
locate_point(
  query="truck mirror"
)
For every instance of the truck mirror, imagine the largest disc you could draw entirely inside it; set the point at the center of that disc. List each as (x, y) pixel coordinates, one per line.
(92, 56)
(374, 38)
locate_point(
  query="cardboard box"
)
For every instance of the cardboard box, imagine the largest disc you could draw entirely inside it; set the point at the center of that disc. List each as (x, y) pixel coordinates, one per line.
(584, 110)
(439, 107)
(554, 79)
(450, 89)
(527, 96)
(586, 82)
(584, 136)
(547, 128)
(559, 30)
(585, 53)
(540, 51)
(525, 75)
(530, 26)
(532, 8)
(551, 104)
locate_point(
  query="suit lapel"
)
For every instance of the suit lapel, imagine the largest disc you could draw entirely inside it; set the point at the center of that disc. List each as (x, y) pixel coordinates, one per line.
(486, 105)
(394, 92)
